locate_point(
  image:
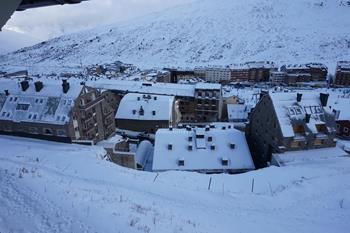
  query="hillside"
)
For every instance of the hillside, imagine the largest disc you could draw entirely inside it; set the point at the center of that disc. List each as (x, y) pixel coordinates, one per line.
(54, 187)
(207, 32)
(11, 41)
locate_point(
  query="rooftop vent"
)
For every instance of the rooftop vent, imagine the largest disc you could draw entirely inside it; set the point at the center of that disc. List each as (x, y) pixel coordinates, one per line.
(232, 146)
(307, 118)
(65, 86)
(82, 83)
(210, 139)
(38, 86)
(207, 128)
(153, 113)
(299, 96)
(212, 126)
(212, 147)
(324, 99)
(7, 92)
(155, 97)
(138, 98)
(223, 127)
(188, 128)
(170, 128)
(141, 111)
(190, 138)
(170, 146)
(24, 85)
(134, 111)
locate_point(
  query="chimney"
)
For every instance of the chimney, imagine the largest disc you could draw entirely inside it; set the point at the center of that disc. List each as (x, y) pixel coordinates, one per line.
(65, 86)
(24, 85)
(38, 86)
(324, 99)
(82, 83)
(7, 92)
(299, 96)
(307, 118)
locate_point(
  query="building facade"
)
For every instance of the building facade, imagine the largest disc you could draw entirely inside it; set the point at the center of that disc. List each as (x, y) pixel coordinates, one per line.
(54, 111)
(212, 149)
(342, 76)
(283, 122)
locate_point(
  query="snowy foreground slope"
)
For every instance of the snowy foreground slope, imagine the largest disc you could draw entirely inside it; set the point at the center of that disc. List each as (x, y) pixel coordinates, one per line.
(52, 187)
(207, 32)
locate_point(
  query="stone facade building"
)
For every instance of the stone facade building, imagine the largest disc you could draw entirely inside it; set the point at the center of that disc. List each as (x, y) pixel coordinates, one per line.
(55, 111)
(342, 76)
(283, 122)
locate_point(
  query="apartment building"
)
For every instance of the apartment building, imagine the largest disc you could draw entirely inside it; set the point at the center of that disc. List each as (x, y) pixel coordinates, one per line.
(342, 76)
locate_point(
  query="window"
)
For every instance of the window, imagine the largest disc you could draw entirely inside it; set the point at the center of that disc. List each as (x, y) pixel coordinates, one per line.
(33, 130)
(22, 107)
(41, 101)
(346, 130)
(36, 101)
(61, 133)
(30, 116)
(34, 117)
(48, 131)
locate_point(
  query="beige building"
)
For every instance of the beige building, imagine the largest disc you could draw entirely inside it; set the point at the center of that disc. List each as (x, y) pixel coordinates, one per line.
(55, 111)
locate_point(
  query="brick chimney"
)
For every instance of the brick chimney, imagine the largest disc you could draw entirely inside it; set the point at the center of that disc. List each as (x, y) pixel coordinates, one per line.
(324, 99)
(24, 85)
(38, 86)
(65, 86)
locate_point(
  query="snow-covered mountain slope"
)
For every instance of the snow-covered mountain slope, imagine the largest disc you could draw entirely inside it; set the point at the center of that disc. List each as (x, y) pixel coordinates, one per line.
(54, 187)
(11, 41)
(208, 32)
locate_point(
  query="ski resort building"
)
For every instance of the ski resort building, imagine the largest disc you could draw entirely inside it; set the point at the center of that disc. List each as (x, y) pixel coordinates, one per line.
(283, 122)
(342, 76)
(340, 107)
(213, 74)
(311, 72)
(212, 149)
(55, 111)
(147, 113)
(200, 102)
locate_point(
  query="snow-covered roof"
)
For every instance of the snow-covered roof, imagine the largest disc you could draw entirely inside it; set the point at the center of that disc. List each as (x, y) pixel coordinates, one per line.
(136, 106)
(261, 64)
(187, 90)
(144, 153)
(238, 111)
(342, 105)
(343, 65)
(201, 149)
(288, 109)
(49, 105)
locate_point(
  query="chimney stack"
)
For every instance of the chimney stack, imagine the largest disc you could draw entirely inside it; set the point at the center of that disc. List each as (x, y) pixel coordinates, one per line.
(324, 99)
(307, 118)
(299, 96)
(65, 86)
(38, 86)
(24, 85)
(7, 92)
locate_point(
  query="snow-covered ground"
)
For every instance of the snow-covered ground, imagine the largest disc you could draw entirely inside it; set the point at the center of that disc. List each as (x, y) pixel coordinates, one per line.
(53, 187)
(205, 32)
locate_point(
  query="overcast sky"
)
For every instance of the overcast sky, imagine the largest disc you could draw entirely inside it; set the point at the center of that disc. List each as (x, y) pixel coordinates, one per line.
(48, 22)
